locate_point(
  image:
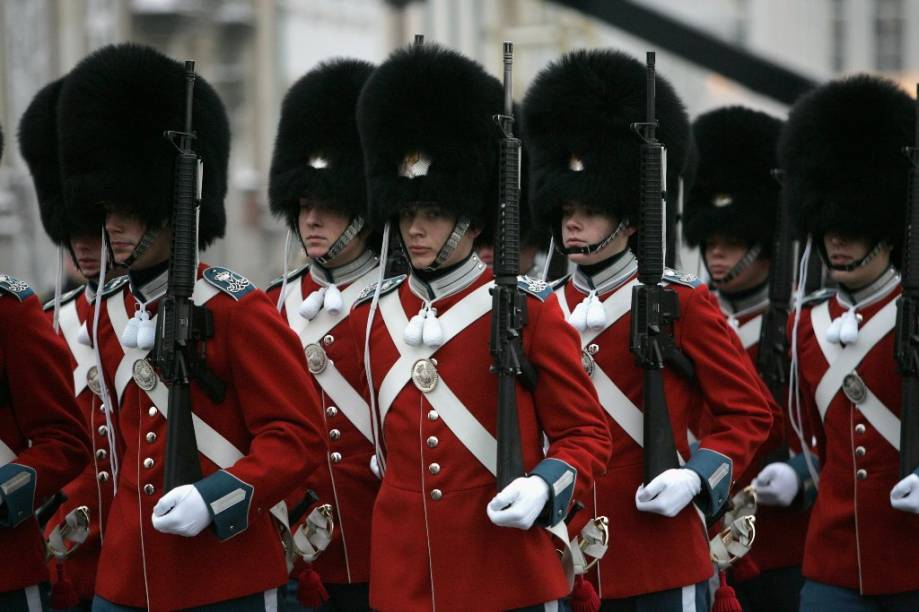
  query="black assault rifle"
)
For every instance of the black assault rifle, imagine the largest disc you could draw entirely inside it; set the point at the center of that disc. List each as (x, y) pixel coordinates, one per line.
(906, 342)
(509, 313)
(654, 307)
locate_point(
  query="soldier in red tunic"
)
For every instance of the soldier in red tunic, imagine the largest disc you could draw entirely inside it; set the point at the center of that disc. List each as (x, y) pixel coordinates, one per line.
(584, 185)
(441, 538)
(317, 185)
(255, 412)
(846, 179)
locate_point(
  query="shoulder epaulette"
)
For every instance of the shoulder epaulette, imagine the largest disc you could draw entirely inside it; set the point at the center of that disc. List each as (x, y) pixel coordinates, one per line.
(15, 287)
(681, 278)
(290, 277)
(66, 298)
(233, 284)
(559, 282)
(388, 285)
(538, 288)
(818, 296)
(114, 286)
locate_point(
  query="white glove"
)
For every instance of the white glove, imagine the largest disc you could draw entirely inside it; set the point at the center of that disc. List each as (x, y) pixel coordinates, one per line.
(375, 467)
(776, 485)
(905, 494)
(519, 503)
(182, 512)
(669, 493)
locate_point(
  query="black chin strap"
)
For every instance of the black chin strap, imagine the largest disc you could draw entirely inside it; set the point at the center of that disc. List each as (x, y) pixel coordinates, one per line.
(145, 241)
(852, 265)
(590, 248)
(742, 264)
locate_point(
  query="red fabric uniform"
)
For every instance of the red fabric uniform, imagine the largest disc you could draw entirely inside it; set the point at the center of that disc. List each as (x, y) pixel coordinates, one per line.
(39, 426)
(346, 482)
(641, 558)
(856, 540)
(433, 544)
(268, 414)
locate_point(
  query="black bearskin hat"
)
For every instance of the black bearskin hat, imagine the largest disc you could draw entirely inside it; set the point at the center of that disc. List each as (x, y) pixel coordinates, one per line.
(577, 118)
(317, 152)
(427, 127)
(734, 193)
(114, 108)
(841, 152)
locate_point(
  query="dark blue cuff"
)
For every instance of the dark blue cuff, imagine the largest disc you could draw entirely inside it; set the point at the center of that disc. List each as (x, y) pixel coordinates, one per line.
(807, 495)
(228, 499)
(17, 490)
(561, 478)
(716, 472)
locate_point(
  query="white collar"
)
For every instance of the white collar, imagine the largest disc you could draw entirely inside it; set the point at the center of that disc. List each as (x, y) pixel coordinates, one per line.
(152, 290)
(748, 304)
(453, 282)
(873, 292)
(344, 274)
(609, 278)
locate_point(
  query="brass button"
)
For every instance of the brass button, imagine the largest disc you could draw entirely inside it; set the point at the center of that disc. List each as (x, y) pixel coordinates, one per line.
(148, 489)
(151, 437)
(335, 457)
(328, 339)
(152, 411)
(860, 451)
(101, 454)
(436, 494)
(432, 415)
(434, 468)
(334, 434)
(861, 474)
(102, 476)
(103, 430)
(433, 442)
(331, 411)
(860, 428)
(149, 462)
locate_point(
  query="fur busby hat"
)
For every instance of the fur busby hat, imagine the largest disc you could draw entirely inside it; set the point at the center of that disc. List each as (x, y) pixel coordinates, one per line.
(317, 152)
(577, 118)
(734, 192)
(841, 152)
(114, 108)
(426, 123)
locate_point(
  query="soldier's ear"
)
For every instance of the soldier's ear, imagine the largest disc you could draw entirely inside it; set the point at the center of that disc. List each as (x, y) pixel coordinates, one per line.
(474, 232)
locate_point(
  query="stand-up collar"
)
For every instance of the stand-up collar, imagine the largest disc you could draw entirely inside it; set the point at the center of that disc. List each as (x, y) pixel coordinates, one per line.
(746, 303)
(438, 286)
(608, 278)
(150, 285)
(871, 293)
(344, 274)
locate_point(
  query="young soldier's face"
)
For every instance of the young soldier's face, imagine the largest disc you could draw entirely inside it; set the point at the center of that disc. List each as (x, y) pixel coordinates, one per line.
(842, 250)
(583, 226)
(721, 255)
(125, 233)
(424, 231)
(320, 226)
(86, 253)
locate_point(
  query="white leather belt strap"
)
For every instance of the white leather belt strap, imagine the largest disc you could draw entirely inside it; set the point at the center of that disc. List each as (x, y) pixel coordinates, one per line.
(349, 401)
(6, 454)
(618, 406)
(616, 305)
(70, 326)
(844, 360)
(749, 332)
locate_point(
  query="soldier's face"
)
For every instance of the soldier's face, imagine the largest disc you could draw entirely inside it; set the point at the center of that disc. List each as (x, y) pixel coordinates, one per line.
(320, 226)
(721, 255)
(424, 231)
(125, 233)
(86, 254)
(842, 250)
(583, 226)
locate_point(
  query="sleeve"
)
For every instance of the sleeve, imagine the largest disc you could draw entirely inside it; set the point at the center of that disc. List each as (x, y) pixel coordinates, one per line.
(281, 410)
(741, 414)
(568, 410)
(40, 390)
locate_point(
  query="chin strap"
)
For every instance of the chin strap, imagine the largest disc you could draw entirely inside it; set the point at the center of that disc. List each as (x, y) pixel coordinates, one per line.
(853, 265)
(459, 230)
(353, 229)
(145, 241)
(742, 264)
(590, 248)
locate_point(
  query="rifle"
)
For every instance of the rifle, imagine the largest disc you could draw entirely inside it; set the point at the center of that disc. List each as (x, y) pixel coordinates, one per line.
(181, 324)
(654, 307)
(906, 342)
(509, 313)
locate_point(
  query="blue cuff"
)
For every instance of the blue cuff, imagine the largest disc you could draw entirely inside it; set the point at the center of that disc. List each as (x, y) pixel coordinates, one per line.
(808, 491)
(716, 472)
(17, 490)
(228, 499)
(561, 478)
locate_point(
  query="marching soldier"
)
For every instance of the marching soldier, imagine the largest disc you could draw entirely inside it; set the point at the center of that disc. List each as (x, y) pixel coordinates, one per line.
(584, 185)
(441, 538)
(846, 178)
(318, 186)
(730, 215)
(253, 406)
(42, 442)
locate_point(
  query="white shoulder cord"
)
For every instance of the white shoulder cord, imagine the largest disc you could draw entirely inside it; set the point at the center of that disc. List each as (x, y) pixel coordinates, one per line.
(545, 267)
(104, 391)
(283, 293)
(58, 288)
(376, 426)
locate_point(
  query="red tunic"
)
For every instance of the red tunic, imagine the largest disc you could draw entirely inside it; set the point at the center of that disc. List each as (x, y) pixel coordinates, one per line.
(39, 427)
(268, 414)
(432, 542)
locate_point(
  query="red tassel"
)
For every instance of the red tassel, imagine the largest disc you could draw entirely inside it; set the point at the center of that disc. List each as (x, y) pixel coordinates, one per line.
(725, 598)
(63, 594)
(584, 597)
(310, 590)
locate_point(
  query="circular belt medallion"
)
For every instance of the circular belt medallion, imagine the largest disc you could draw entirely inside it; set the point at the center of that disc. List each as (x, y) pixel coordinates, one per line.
(144, 375)
(316, 358)
(92, 381)
(854, 388)
(424, 375)
(588, 363)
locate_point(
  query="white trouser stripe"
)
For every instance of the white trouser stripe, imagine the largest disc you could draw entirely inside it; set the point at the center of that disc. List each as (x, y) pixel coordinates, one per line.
(689, 598)
(33, 598)
(271, 600)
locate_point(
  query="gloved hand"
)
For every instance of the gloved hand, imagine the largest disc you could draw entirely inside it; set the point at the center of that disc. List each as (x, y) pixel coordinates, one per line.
(182, 512)
(669, 492)
(905, 494)
(519, 503)
(776, 485)
(375, 467)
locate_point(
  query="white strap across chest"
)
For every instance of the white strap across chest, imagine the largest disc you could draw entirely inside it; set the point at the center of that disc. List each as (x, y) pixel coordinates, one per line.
(6, 454)
(70, 326)
(464, 425)
(843, 361)
(616, 305)
(749, 332)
